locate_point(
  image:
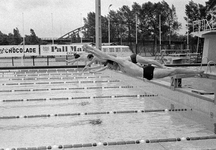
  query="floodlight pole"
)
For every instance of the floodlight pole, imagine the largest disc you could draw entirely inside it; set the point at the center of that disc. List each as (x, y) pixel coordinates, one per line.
(160, 31)
(81, 28)
(98, 23)
(187, 34)
(52, 29)
(22, 58)
(136, 32)
(109, 23)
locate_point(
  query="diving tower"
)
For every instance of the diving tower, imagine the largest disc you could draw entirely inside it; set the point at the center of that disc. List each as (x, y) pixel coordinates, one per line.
(207, 30)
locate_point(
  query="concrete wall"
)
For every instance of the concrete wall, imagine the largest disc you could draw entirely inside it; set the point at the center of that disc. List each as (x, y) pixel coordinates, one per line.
(186, 97)
(209, 49)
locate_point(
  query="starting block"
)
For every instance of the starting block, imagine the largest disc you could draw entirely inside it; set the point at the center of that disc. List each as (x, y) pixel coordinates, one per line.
(176, 81)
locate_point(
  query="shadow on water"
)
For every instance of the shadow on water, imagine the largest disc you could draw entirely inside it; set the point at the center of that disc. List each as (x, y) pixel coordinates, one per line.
(52, 125)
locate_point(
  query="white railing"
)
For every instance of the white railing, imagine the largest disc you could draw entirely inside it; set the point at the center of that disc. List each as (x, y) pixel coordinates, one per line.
(203, 25)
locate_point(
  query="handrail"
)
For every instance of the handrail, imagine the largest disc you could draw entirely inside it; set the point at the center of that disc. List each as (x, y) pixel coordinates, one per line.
(209, 66)
(203, 25)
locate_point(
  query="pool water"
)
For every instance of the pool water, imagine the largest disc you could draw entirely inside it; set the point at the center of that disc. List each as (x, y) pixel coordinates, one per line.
(85, 93)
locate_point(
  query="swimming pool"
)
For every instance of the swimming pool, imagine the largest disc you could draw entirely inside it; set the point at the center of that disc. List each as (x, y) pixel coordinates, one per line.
(65, 106)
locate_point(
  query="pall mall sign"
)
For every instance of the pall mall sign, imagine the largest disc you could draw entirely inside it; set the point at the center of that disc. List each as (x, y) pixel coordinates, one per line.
(55, 50)
(19, 50)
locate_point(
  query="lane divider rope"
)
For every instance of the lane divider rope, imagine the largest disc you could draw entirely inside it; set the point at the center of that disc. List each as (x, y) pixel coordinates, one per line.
(46, 74)
(63, 82)
(92, 113)
(82, 97)
(41, 70)
(64, 89)
(58, 78)
(115, 143)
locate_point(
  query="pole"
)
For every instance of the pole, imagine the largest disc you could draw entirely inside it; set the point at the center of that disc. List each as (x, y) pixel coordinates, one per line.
(22, 61)
(12, 61)
(108, 30)
(160, 31)
(47, 60)
(81, 28)
(187, 34)
(197, 45)
(98, 23)
(52, 29)
(214, 128)
(136, 34)
(33, 60)
(109, 23)
(170, 16)
(81, 37)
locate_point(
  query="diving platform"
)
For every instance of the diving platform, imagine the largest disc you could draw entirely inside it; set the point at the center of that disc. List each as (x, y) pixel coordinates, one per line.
(202, 34)
(203, 27)
(207, 30)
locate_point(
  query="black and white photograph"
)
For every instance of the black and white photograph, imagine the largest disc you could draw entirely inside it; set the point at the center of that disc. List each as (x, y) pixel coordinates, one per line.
(108, 75)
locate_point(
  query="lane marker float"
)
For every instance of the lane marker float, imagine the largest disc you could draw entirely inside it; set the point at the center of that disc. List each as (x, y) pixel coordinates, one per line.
(60, 82)
(57, 78)
(113, 143)
(95, 113)
(65, 89)
(81, 97)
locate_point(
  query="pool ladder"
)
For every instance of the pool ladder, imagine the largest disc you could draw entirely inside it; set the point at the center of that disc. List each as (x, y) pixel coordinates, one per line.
(208, 65)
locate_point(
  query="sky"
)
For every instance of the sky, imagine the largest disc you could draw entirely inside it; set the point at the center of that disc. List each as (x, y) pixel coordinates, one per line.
(54, 18)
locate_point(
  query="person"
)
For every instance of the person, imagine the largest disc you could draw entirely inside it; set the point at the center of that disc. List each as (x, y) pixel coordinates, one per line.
(80, 57)
(87, 57)
(107, 64)
(148, 72)
(134, 58)
(92, 60)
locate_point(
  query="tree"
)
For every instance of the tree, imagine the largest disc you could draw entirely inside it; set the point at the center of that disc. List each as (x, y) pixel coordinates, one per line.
(173, 23)
(3, 39)
(104, 28)
(123, 23)
(128, 21)
(17, 37)
(210, 4)
(10, 39)
(89, 24)
(117, 26)
(211, 10)
(33, 37)
(194, 12)
(149, 21)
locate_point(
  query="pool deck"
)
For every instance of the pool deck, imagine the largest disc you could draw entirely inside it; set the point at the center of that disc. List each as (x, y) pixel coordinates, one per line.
(201, 104)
